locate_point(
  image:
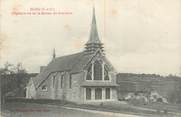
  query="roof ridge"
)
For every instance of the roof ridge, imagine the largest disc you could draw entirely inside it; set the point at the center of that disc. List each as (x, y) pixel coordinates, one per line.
(69, 55)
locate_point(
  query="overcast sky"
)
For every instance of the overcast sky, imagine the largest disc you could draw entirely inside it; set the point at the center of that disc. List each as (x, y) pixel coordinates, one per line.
(139, 36)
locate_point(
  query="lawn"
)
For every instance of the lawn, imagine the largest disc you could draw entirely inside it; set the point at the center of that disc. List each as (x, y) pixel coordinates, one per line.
(152, 110)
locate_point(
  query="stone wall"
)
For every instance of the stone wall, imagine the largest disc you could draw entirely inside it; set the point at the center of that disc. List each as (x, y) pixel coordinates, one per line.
(74, 93)
(65, 92)
(45, 94)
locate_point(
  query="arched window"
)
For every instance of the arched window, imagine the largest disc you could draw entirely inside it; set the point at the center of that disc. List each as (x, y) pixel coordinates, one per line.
(97, 70)
(62, 79)
(98, 93)
(89, 72)
(106, 74)
(54, 81)
(70, 81)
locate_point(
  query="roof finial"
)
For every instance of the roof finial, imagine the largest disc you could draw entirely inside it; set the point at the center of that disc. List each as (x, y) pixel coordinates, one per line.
(93, 10)
(54, 54)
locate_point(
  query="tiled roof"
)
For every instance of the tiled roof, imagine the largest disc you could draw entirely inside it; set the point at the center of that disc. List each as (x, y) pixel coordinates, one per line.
(72, 63)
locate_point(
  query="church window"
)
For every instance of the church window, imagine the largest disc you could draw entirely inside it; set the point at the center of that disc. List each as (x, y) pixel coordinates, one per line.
(70, 81)
(62, 77)
(106, 74)
(88, 93)
(97, 70)
(44, 88)
(89, 72)
(98, 93)
(108, 96)
(54, 81)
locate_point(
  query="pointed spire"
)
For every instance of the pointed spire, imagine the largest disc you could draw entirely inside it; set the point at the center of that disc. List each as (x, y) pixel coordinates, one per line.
(54, 54)
(94, 37)
(93, 43)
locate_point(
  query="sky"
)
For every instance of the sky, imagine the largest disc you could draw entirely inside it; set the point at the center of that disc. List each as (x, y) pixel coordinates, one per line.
(139, 36)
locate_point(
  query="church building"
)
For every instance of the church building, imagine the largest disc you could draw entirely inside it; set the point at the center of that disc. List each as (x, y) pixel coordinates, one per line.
(84, 77)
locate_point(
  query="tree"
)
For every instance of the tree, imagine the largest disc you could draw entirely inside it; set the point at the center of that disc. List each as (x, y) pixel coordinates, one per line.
(19, 68)
(13, 79)
(12, 69)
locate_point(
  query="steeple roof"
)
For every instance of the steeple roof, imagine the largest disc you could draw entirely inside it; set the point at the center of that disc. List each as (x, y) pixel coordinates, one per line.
(93, 43)
(94, 36)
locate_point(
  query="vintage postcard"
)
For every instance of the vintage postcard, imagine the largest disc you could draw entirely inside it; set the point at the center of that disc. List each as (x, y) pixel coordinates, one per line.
(90, 58)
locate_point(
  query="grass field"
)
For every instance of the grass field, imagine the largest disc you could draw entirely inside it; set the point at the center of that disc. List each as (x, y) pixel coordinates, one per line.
(43, 107)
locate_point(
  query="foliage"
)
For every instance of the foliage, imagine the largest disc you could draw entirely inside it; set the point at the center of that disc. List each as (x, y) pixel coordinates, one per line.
(9, 68)
(13, 80)
(169, 85)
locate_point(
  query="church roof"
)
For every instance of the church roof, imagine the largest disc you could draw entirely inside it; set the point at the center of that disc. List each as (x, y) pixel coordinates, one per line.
(72, 63)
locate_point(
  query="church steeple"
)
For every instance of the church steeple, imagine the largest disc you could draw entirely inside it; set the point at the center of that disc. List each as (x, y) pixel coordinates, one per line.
(94, 42)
